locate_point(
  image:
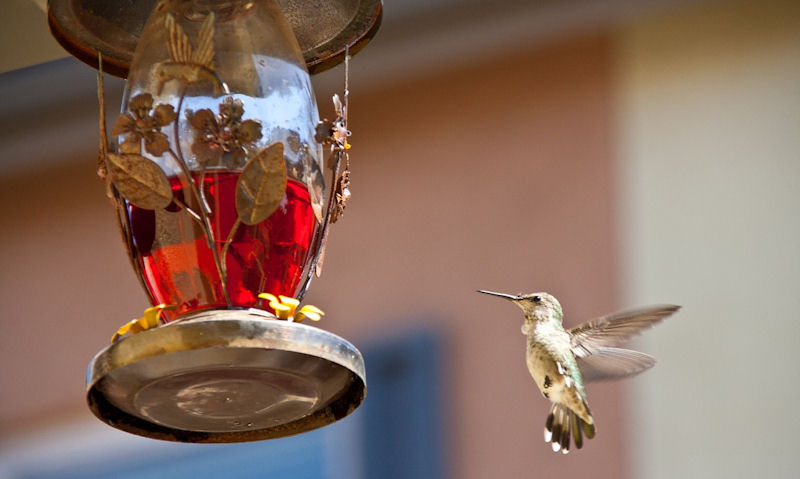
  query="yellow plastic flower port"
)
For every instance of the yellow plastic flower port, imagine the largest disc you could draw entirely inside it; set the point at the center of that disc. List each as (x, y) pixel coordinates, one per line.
(285, 307)
(308, 311)
(149, 320)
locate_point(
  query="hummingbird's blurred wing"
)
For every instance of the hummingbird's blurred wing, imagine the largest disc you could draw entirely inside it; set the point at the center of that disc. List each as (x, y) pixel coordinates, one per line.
(614, 329)
(593, 343)
(612, 363)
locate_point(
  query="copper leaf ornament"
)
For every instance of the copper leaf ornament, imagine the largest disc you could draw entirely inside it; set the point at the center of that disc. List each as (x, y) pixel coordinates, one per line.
(139, 180)
(261, 185)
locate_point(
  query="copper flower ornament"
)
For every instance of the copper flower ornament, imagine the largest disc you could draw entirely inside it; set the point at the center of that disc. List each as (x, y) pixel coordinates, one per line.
(142, 125)
(216, 135)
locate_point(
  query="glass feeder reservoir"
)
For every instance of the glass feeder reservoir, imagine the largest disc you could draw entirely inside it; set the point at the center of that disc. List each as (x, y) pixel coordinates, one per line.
(216, 171)
(217, 165)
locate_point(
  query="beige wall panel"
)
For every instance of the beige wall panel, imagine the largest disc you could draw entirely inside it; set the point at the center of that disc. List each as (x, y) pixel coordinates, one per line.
(710, 123)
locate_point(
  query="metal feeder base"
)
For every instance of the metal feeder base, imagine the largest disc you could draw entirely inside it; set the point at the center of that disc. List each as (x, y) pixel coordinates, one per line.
(226, 376)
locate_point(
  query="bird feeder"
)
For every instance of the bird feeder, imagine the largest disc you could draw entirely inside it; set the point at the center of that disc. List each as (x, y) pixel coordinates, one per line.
(217, 166)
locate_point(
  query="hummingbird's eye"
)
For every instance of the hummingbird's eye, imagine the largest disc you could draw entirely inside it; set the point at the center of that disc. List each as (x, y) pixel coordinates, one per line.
(537, 299)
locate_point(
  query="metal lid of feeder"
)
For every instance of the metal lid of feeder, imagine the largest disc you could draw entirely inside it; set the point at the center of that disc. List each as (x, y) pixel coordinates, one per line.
(226, 376)
(113, 27)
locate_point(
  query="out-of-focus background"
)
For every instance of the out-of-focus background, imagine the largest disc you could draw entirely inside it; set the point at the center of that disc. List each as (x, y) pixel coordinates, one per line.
(615, 153)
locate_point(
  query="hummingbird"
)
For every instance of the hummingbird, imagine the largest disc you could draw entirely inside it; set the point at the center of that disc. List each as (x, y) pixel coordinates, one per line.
(186, 64)
(561, 360)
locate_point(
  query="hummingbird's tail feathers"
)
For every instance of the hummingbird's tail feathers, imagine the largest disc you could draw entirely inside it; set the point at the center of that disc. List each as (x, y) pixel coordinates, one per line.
(611, 363)
(617, 328)
(562, 425)
(575, 425)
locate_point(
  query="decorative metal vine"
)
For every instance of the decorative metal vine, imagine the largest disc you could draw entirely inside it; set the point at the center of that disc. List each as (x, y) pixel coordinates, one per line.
(220, 139)
(335, 133)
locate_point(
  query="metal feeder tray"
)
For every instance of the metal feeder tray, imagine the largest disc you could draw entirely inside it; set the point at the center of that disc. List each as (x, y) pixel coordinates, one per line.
(226, 376)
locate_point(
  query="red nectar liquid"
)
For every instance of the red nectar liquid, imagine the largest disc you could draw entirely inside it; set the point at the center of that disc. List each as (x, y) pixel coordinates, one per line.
(179, 268)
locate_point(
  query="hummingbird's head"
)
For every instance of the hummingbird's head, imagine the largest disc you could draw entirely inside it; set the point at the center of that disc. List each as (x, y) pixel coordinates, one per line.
(536, 306)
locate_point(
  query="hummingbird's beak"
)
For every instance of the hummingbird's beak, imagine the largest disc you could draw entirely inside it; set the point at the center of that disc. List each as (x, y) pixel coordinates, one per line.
(502, 295)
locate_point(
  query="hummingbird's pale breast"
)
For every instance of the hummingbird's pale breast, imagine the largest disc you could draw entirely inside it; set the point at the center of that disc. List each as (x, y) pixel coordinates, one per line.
(554, 368)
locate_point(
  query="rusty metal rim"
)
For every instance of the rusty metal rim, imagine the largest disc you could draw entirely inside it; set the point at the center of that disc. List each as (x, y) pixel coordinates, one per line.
(66, 25)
